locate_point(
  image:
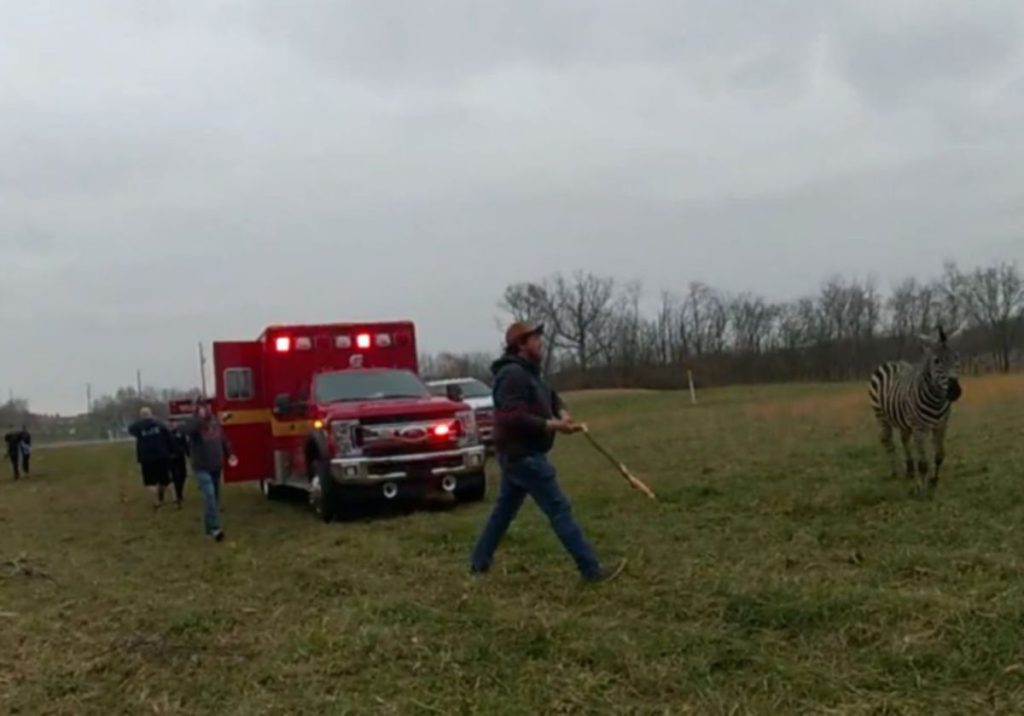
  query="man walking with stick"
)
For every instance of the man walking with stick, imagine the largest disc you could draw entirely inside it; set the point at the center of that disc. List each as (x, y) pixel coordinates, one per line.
(528, 416)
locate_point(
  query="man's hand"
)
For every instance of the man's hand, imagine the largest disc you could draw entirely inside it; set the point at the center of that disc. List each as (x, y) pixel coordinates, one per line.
(233, 461)
(574, 427)
(565, 427)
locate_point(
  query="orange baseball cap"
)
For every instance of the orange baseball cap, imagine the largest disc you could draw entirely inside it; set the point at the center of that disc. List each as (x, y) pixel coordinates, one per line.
(520, 331)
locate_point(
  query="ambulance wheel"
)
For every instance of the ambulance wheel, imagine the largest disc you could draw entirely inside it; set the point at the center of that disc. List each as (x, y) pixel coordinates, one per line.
(472, 488)
(271, 491)
(323, 496)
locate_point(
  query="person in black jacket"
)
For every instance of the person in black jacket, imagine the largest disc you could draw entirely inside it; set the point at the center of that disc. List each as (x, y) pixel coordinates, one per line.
(19, 451)
(152, 449)
(12, 442)
(179, 469)
(528, 414)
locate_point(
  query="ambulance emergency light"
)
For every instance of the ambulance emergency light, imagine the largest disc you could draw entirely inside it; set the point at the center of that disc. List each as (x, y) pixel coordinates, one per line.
(363, 341)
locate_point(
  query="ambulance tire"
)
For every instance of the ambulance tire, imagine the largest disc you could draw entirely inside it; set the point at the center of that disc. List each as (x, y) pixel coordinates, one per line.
(272, 492)
(472, 488)
(327, 507)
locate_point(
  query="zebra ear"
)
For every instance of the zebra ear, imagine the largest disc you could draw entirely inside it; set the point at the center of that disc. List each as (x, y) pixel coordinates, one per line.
(927, 342)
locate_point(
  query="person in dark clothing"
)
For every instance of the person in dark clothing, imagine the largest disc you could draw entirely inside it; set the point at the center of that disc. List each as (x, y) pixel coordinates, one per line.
(152, 450)
(208, 447)
(26, 450)
(179, 468)
(12, 441)
(18, 451)
(528, 416)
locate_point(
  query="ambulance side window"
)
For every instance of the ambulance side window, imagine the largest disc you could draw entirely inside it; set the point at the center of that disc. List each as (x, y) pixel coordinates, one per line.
(238, 384)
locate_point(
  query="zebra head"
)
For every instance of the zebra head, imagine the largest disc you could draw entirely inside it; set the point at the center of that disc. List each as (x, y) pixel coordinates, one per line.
(942, 365)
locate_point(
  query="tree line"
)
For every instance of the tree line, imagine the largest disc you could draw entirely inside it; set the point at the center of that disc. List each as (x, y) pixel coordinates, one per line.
(603, 332)
(108, 417)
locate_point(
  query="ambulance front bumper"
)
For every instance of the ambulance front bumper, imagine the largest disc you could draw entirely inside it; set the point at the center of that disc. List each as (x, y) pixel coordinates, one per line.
(418, 466)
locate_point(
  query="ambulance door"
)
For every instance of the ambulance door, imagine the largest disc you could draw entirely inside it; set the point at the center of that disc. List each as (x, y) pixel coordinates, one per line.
(243, 409)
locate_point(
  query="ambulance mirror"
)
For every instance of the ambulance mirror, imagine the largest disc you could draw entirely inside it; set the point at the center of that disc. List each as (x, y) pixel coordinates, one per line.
(282, 404)
(454, 392)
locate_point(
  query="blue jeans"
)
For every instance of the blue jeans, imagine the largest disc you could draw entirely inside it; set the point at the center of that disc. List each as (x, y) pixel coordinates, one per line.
(209, 485)
(534, 476)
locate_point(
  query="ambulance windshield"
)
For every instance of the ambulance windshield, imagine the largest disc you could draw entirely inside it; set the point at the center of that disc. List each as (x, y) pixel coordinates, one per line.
(352, 385)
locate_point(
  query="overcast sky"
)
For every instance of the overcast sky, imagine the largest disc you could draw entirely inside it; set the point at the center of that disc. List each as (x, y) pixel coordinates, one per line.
(174, 171)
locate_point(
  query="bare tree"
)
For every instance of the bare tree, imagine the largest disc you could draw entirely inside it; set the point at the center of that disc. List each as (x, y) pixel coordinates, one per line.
(600, 332)
(531, 302)
(703, 321)
(665, 330)
(994, 299)
(949, 302)
(794, 330)
(582, 306)
(622, 341)
(752, 319)
(457, 365)
(902, 306)
(537, 303)
(14, 412)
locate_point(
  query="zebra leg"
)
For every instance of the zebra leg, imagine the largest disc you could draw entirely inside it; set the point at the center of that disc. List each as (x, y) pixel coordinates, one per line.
(923, 468)
(907, 452)
(939, 442)
(890, 447)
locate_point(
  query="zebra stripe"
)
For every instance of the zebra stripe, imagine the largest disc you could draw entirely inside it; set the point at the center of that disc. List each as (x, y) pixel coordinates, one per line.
(910, 397)
(917, 400)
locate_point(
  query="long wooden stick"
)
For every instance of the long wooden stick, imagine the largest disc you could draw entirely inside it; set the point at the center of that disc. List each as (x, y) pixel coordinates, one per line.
(635, 482)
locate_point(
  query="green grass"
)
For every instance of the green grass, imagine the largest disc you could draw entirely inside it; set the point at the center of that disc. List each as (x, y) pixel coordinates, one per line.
(781, 572)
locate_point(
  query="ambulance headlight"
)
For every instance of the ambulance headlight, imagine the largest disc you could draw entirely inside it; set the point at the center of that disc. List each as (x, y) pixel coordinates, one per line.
(468, 434)
(346, 434)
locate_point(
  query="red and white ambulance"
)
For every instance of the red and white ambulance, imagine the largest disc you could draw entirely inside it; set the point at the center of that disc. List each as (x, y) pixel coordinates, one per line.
(339, 411)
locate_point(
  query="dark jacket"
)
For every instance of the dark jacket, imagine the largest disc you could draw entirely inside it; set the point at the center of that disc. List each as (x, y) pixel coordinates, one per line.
(179, 445)
(152, 440)
(523, 403)
(15, 440)
(207, 444)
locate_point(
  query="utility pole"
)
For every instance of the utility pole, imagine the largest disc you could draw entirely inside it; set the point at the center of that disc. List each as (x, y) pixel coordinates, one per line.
(88, 398)
(202, 368)
(138, 380)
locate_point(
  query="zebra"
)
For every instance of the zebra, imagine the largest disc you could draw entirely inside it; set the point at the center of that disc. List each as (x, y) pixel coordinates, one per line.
(916, 399)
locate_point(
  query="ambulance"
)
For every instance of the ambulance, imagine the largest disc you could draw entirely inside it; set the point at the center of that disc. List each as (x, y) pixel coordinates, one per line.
(339, 411)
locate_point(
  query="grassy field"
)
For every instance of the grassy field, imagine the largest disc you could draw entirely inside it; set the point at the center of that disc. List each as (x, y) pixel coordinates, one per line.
(782, 572)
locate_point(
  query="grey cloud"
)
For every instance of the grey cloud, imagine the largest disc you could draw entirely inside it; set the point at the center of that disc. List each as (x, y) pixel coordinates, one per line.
(175, 172)
(443, 43)
(897, 55)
